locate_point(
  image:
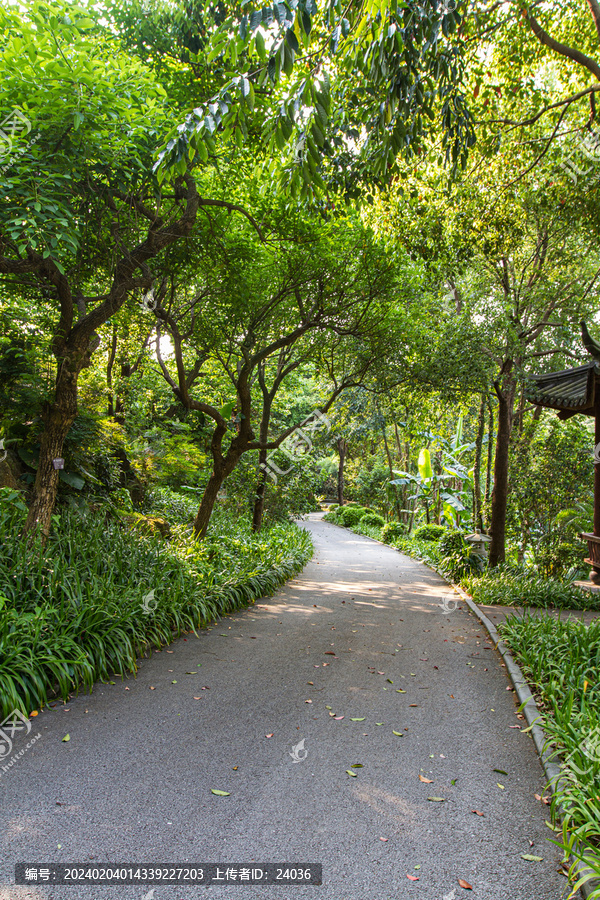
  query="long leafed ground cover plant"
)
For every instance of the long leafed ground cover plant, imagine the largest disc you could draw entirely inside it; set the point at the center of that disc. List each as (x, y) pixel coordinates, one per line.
(99, 595)
(561, 661)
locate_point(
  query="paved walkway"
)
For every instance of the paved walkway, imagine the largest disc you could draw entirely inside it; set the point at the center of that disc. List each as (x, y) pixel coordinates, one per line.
(360, 634)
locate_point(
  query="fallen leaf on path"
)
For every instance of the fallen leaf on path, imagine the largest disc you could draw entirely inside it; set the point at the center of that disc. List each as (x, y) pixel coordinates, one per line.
(501, 786)
(34, 713)
(329, 653)
(542, 799)
(532, 858)
(477, 813)
(191, 673)
(308, 701)
(465, 884)
(357, 766)
(380, 723)
(501, 771)
(67, 737)
(173, 682)
(310, 682)
(399, 733)
(436, 799)
(400, 691)
(220, 793)
(389, 680)
(327, 707)
(270, 735)
(152, 688)
(413, 877)
(337, 718)
(197, 698)
(350, 772)
(235, 768)
(425, 780)
(382, 839)
(413, 704)
(358, 720)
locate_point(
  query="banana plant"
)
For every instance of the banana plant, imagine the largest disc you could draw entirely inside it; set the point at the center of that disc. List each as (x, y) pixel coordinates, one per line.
(431, 486)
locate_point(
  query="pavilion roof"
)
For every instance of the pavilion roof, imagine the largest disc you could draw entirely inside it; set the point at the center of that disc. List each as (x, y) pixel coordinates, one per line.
(570, 391)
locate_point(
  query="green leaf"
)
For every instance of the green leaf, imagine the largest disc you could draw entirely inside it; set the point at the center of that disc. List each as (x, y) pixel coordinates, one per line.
(531, 857)
(399, 733)
(73, 481)
(358, 720)
(350, 772)
(220, 793)
(66, 738)
(424, 464)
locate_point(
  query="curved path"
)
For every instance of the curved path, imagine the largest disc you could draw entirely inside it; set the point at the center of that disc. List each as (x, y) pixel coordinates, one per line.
(359, 625)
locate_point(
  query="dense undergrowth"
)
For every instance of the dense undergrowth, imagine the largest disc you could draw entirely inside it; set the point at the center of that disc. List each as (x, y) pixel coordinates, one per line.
(103, 592)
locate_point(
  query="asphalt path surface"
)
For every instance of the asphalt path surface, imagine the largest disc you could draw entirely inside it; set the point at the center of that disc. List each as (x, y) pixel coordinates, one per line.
(363, 633)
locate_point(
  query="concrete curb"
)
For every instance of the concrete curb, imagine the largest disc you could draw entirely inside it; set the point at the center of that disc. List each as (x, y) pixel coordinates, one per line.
(526, 699)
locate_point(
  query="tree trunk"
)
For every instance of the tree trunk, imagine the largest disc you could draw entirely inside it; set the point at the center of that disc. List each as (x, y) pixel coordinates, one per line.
(109, 370)
(477, 516)
(391, 468)
(261, 487)
(58, 418)
(500, 490)
(208, 502)
(488, 473)
(342, 446)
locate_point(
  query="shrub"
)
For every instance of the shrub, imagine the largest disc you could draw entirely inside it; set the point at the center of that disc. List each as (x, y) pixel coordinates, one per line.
(333, 506)
(374, 519)
(350, 515)
(451, 542)
(429, 532)
(392, 531)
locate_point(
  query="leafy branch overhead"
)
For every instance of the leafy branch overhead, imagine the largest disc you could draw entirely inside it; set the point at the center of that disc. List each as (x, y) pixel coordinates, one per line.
(332, 87)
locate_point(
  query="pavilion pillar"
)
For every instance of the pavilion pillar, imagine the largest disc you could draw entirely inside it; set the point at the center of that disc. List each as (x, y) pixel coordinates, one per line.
(597, 460)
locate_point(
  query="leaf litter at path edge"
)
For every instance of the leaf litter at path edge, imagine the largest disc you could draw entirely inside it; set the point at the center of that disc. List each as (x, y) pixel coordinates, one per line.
(220, 793)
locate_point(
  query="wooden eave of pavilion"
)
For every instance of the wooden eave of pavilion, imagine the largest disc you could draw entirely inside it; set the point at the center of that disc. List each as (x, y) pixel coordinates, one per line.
(570, 391)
